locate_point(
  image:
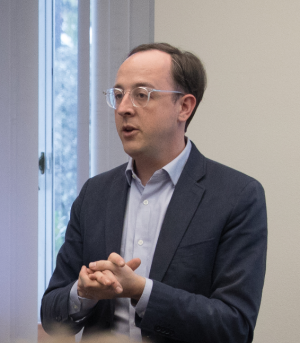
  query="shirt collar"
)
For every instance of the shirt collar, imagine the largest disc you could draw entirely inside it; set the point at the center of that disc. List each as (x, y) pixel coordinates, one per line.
(129, 171)
(174, 168)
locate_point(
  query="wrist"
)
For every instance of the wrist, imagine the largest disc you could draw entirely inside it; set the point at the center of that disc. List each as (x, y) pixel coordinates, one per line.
(80, 293)
(138, 289)
(83, 294)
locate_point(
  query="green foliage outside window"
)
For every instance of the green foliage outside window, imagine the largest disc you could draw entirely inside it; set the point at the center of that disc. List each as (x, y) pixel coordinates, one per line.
(64, 115)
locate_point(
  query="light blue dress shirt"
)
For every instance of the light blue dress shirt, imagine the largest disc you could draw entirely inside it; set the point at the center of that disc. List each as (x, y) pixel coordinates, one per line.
(144, 215)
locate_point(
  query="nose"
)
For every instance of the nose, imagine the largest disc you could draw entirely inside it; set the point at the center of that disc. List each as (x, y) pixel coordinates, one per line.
(126, 107)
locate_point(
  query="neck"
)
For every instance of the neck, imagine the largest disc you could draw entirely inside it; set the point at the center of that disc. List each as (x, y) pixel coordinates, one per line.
(145, 166)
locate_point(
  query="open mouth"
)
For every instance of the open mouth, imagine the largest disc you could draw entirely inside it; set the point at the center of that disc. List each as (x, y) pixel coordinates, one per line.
(128, 128)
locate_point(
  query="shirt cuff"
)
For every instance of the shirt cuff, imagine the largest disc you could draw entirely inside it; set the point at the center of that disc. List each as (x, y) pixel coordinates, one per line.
(80, 306)
(142, 304)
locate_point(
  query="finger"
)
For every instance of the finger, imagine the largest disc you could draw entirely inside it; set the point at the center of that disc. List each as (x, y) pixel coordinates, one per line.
(83, 270)
(108, 279)
(101, 278)
(116, 259)
(115, 284)
(89, 271)
(83, 276)
(102, 265)
(134, 263)
(83, 283)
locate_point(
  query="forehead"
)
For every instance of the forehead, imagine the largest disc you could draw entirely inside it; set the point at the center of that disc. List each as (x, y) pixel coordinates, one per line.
(152, 68)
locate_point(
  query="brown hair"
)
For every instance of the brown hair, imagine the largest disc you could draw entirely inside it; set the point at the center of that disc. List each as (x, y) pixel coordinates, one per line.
(187, 71)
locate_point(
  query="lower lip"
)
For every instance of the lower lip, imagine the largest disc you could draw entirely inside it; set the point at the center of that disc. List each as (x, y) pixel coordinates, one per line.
(129, 134)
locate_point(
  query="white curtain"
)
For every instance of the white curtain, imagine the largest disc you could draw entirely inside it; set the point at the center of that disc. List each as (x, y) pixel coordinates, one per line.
(18, 169)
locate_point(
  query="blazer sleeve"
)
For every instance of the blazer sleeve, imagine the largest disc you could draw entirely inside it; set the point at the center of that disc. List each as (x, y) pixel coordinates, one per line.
(229, 313)
(54, 309)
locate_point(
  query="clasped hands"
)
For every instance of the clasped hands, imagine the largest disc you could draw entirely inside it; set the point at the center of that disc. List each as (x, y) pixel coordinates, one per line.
(111, 278)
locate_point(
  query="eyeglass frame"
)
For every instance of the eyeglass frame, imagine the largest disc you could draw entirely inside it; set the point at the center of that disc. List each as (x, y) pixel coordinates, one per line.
(148, 89)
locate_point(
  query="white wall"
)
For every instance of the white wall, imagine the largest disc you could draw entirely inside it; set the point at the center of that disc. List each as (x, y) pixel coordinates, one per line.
(18, 169)
(249, 120)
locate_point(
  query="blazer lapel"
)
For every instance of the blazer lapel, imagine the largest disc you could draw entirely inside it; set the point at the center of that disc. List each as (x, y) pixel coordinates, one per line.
(184, 202)
(116, 206)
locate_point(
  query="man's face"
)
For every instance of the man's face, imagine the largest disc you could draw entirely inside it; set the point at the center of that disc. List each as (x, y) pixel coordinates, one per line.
(151, 131)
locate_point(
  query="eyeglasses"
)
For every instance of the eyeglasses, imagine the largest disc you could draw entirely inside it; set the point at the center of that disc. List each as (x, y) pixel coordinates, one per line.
(139, 96)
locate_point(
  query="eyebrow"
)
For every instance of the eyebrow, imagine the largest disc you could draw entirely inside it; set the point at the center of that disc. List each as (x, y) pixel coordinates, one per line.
(138, 84)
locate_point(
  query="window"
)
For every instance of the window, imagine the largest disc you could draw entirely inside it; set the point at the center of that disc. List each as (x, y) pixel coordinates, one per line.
(65, 52)
(57, 128)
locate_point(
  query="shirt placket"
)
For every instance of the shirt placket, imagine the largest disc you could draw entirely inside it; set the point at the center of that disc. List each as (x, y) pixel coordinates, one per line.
(141, 240)
(141, 248)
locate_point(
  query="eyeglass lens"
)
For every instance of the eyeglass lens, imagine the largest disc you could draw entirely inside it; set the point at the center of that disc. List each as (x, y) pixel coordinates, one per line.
(139, 97)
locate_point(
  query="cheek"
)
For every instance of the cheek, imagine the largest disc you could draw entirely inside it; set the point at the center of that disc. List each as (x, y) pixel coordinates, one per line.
(118, 121)
(152, 127)
(166, 121)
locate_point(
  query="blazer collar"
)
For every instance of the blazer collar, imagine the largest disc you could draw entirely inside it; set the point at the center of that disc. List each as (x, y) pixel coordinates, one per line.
(196, 164)
(183, 204)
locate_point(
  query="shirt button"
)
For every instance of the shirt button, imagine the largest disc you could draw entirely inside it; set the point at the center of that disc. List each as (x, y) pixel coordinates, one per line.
(145, 202)
(140, 242)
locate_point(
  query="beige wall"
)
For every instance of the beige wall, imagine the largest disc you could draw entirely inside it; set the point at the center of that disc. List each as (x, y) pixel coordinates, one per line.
(250, 120)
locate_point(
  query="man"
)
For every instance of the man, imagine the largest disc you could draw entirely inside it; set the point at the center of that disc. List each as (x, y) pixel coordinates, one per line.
(171, 246)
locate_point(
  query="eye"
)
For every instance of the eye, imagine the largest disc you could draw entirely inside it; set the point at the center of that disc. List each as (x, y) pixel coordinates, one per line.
(140, 94)
(118, 95)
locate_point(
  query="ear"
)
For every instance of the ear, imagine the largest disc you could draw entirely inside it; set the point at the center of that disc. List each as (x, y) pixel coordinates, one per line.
(187, 105)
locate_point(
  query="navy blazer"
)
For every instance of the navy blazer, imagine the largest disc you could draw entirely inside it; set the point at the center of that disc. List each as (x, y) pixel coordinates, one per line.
(209, 263)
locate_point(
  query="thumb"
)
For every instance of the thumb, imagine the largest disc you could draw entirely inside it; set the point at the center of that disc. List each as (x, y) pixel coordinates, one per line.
(134, 263)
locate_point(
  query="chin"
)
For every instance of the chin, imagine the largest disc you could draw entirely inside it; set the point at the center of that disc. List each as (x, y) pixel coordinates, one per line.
(133, 151)
(130, 149)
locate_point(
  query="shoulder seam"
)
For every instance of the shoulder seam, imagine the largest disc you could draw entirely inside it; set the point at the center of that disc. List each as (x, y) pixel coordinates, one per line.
(233, 207)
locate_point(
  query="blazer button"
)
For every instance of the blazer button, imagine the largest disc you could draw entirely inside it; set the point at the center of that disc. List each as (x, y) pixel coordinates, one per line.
(58, 318)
